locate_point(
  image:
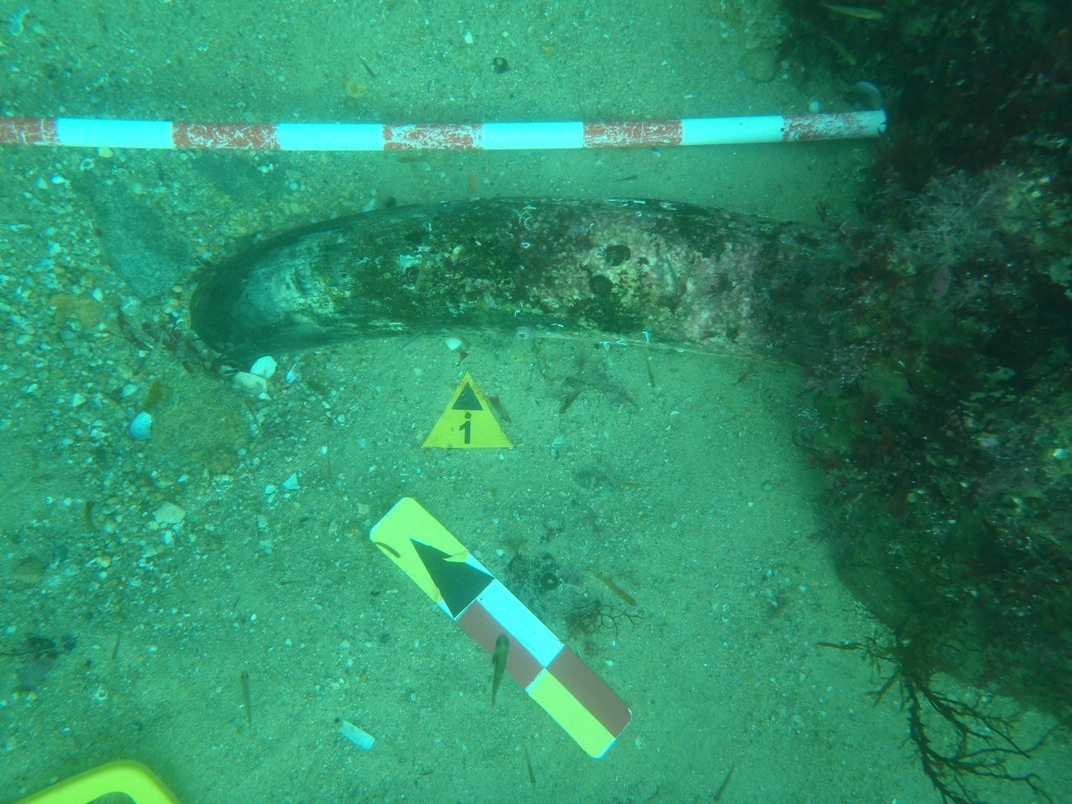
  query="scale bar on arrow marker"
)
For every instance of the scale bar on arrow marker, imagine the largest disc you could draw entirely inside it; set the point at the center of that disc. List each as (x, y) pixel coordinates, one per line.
(552, 674)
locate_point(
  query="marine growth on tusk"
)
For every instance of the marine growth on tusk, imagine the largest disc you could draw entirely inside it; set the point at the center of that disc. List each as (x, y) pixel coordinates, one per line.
(622, 270)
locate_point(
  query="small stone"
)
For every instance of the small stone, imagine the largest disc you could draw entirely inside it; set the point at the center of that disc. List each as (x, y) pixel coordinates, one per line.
(291, 483)
(141, 427)
(30, 569)
(167, 513)
(760, 64)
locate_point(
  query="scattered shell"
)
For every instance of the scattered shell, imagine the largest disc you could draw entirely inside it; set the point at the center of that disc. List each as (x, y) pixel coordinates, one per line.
(867, 94)
(458, 346)
(167, 513)
(15, 25)
(291, 483)
(263, 367)
(359, 737)
(141, 427)
(250, 384)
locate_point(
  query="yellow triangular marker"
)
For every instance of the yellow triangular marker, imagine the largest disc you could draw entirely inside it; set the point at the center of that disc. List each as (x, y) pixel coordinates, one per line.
(467, 422)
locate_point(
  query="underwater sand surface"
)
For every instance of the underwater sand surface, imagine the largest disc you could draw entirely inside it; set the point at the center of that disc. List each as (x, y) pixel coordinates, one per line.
(673, 474)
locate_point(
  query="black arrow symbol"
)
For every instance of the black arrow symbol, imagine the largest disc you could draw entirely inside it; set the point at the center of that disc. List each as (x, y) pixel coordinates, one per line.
(458, 582)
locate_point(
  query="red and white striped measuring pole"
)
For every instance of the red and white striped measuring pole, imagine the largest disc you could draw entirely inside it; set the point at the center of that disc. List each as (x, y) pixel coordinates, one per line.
(77, 132)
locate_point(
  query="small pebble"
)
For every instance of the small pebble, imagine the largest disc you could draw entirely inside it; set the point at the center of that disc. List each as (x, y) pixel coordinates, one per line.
(167, 513)
(761, 64)
(141, 427)
(30, 569)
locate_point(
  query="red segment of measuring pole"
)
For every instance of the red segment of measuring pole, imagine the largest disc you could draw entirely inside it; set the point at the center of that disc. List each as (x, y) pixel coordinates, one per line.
(825, 127)
(224, 136)
(28, 131)
(644, 133)
(433, 137)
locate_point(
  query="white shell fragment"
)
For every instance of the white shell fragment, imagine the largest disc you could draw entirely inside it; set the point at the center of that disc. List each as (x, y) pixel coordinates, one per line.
(141, 427)
(263, 367)
(255, 381)
(291, 483)
(359, 737)
(250, 384)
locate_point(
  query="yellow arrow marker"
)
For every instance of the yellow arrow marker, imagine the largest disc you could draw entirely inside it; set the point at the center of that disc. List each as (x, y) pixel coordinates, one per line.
(125, 779)
(394, 536)
(464, 589)
(467, 422)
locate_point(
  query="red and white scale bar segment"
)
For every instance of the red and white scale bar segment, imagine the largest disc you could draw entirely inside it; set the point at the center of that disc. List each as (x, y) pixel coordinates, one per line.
(552, 674)
(91, 133)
